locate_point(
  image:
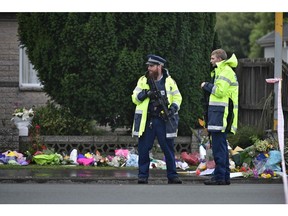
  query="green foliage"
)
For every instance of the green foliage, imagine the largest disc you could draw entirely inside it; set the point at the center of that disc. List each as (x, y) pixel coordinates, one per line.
(239, 32)
(55, 120)
(234, 31)
(89, 63)
(245, 136)
(247, 156)
(260, 147)
(264, 24)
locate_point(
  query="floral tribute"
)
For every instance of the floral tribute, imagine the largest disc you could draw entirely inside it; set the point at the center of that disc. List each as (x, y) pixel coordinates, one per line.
(37, 145)
(260, 160)
(23, 113)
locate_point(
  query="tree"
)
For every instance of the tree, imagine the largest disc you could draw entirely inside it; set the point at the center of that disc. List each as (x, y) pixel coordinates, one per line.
(239, 32)
(234, 31)
(90, 62)
(265, 23)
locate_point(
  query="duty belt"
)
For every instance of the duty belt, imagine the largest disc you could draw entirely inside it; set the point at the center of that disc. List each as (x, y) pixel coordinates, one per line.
(153, 115)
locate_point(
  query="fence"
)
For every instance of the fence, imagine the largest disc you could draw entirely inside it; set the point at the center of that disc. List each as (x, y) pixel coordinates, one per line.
(256, 97)
(103, 144)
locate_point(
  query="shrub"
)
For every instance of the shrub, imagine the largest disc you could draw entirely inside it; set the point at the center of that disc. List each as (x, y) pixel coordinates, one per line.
(95, 59)
(56, 120)
(245, 136)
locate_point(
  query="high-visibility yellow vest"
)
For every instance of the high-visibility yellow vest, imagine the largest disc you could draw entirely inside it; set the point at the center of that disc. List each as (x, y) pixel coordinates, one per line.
(225, 87)
(140, 116)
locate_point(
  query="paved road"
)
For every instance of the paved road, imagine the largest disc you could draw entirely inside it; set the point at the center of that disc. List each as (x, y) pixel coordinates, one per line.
(140, 194)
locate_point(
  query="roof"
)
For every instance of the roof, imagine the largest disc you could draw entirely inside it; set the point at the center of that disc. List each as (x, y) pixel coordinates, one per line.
(269, 39)
(7, 16)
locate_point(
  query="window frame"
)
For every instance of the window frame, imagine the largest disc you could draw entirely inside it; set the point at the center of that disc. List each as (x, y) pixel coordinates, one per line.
(23, 58)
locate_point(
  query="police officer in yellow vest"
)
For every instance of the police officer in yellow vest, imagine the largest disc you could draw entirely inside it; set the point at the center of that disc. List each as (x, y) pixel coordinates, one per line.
(149, 121)
(222, 112)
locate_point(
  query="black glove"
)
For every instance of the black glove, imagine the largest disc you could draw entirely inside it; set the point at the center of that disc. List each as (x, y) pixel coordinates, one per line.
(151, 94)
(146, 93)
(171, 111)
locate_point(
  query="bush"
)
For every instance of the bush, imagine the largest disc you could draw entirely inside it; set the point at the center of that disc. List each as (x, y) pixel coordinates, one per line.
(56, 120)
(245, 136)
(90, 62)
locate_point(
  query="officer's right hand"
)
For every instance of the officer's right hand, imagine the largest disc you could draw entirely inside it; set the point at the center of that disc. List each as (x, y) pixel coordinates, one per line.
(145, 93)
(151, 94)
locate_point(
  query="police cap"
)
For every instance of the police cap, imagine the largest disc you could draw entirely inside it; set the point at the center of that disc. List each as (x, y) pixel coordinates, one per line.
(154, 59)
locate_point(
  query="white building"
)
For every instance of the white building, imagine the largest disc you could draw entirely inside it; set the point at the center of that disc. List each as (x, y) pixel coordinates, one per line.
(268, 43)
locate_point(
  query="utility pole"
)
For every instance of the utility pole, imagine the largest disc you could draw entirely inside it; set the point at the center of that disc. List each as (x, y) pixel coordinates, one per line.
(278, 60)
(277, 81)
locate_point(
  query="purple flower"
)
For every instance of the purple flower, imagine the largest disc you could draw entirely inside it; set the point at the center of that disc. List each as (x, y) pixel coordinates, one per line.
(269, 171)
(255, 173)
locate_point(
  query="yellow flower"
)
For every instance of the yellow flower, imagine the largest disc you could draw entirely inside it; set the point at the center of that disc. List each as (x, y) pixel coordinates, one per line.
(264, 175)
(88, 155)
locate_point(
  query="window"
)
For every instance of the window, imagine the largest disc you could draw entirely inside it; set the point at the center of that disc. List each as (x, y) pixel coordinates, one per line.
(28, 79)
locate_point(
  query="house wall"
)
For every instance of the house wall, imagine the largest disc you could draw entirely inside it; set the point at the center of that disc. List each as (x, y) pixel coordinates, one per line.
(269, 53)
(10, 94)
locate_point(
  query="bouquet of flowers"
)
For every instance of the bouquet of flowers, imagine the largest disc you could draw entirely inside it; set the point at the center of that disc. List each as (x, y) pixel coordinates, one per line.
(23, 113)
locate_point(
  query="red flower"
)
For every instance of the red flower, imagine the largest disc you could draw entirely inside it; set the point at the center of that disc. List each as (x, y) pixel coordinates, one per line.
(38, 152)
(37, 128)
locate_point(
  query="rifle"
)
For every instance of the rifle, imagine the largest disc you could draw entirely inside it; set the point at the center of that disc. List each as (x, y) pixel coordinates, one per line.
(161, 99)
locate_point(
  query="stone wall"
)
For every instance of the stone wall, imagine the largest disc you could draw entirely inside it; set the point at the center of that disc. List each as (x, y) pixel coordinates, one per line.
(9, 139)
(103, 144)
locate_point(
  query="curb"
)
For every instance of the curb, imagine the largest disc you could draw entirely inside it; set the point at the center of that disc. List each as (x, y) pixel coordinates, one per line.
(113, 176)
(109, 180)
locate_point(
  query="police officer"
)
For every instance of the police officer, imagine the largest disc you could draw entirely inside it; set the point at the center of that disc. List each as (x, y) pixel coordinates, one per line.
(222, 112)
(150, 120)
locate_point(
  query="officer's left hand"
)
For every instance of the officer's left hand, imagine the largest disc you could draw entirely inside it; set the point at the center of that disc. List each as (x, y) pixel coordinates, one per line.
(171, 111)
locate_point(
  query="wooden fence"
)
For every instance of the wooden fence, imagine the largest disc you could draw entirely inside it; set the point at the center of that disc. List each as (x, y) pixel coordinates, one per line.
(256, 97)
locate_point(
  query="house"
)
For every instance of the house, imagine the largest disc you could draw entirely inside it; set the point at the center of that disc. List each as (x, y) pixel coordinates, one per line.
(18, 85)
(268, 41)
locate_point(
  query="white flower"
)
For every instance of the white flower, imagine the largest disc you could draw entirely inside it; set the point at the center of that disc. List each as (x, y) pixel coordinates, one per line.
(23, 113)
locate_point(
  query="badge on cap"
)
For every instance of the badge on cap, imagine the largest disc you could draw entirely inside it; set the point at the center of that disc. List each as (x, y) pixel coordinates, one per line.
(154, 59)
